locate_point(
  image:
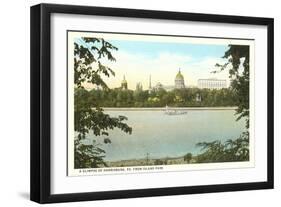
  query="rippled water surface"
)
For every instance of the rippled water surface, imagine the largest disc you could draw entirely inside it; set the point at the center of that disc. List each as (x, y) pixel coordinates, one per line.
(163, 135)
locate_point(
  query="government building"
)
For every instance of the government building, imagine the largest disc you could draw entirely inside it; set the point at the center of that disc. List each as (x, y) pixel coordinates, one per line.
(212, 83)
(179, 84)
(179, 81)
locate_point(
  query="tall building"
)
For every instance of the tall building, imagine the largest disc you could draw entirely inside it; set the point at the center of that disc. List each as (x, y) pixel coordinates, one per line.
(150, 87)
(124, 84)
(139, 86)
(212, 83)
(179, 81)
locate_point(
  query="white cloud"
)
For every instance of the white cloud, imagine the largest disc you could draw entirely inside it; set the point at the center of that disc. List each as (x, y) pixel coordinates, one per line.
(162, 68)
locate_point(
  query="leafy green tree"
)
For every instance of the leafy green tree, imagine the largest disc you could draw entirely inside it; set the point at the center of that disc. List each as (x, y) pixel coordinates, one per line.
(229, 151)
(239, 148)
(238, 59)
(88, 68)
(184, 97)
(187, 157)
(213, 152)
(88, 155)
(160, 162)
(237, 63)
(168, 98)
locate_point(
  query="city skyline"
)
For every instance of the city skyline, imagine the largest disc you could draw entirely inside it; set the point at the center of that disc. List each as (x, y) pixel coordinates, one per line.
(210, 83)
(138, 59)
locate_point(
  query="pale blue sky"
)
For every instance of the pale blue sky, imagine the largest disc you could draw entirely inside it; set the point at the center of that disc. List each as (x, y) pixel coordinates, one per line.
(137, 59)
(152, 49)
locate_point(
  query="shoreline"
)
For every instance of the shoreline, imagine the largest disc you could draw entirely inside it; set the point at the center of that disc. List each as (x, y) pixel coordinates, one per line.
(151, 161)
(170, 108)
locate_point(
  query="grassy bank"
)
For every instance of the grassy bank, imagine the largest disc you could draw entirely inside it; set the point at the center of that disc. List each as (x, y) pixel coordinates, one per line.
(144, 161)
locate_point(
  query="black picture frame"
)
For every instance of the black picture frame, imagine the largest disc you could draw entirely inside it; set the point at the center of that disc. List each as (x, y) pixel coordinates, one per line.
(41, 99)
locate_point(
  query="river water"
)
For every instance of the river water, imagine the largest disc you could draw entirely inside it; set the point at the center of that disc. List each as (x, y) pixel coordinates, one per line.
(162, 135)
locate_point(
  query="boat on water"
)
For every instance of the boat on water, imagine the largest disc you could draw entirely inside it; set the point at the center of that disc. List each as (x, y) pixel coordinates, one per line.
(170, 111)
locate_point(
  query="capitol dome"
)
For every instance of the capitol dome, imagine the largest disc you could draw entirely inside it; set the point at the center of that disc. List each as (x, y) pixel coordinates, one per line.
(179, 76)
(179, 80)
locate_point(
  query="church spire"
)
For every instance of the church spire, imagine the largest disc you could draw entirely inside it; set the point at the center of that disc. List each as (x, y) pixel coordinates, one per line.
(124, 84)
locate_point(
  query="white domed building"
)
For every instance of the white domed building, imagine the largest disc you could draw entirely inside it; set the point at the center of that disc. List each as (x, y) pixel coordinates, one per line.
(179, 81)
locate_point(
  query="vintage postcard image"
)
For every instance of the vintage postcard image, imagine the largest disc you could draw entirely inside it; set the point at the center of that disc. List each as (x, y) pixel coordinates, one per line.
(140, 103)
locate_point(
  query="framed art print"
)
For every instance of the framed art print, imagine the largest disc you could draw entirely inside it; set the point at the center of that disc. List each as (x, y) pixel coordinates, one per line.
(133, 103)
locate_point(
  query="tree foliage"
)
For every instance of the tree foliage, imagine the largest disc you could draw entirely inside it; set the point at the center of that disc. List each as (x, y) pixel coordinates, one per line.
(88, 155)
(238, 60)
(160, 98)
(237, 63)
(89, 54)
(88, 68)
(229, 151)
(187, 157)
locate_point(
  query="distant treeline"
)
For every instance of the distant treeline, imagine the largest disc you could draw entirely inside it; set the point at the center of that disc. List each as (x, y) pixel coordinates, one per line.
(187, 97)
